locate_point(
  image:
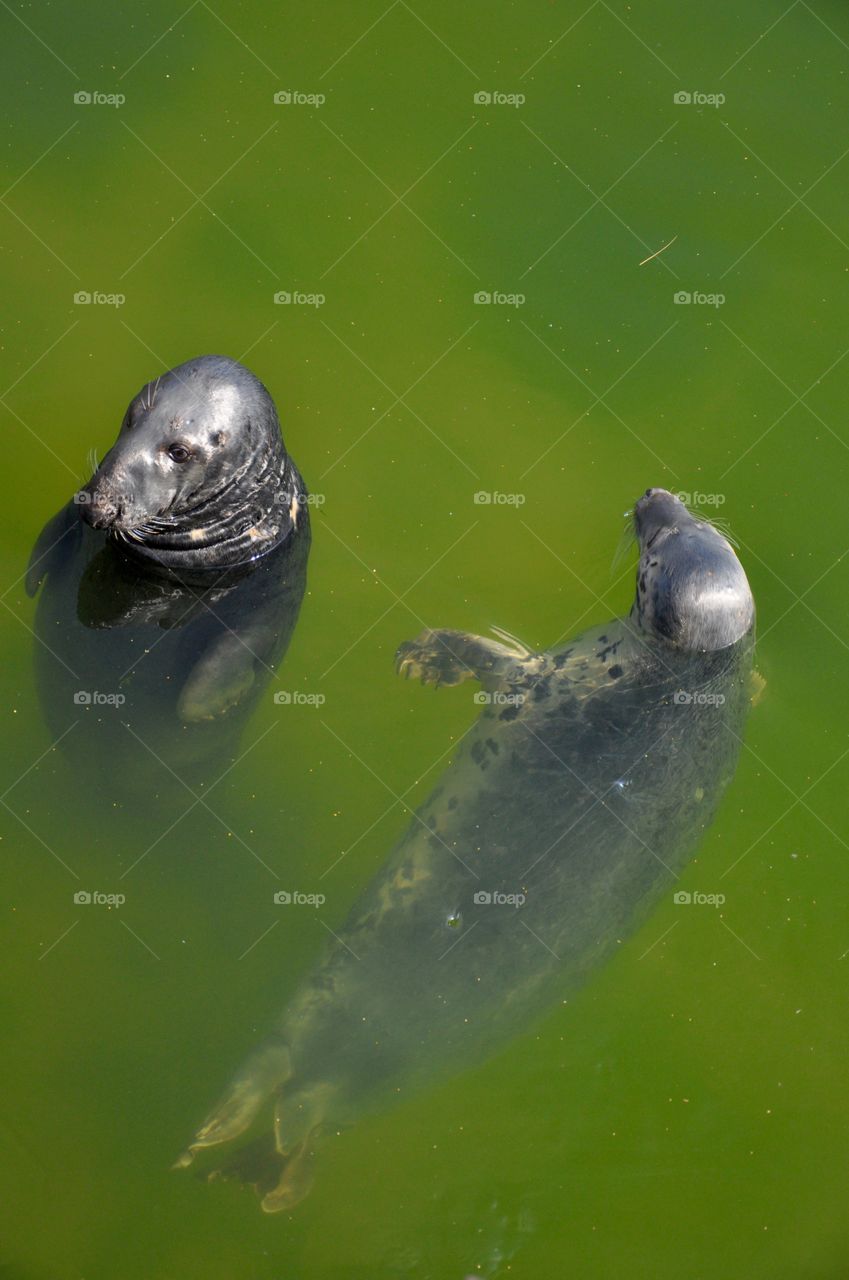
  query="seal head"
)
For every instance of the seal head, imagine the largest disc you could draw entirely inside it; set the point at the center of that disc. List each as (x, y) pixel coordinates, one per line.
(199, 475)
(691, 589)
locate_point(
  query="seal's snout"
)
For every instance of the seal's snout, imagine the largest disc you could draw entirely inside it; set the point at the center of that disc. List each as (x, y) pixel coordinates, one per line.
(105, 505)
(101, 505)
(657, 509)
(100, 512)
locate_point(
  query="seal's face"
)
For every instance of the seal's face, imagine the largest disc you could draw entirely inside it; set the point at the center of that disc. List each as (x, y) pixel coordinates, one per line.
(691, 588)
(198, 467)
(182, 439)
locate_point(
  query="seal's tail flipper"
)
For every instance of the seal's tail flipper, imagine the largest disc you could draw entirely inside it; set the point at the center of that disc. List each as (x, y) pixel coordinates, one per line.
(263, 1072)
(258, 1164)
(298, 1122)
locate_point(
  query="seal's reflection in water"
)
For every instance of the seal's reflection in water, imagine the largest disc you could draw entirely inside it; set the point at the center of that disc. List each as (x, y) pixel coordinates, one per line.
(172, 585)
(571, 808)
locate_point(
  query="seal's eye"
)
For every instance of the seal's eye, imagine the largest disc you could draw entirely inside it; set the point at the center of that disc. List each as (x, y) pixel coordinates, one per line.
(178, 453)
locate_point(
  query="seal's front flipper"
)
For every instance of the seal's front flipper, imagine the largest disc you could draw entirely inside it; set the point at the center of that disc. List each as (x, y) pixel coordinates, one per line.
(449, 657)
(218, 682)
(53, 547)
(757, 687)
(264, 1072)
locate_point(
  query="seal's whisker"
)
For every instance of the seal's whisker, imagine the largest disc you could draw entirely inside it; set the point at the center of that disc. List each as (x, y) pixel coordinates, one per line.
(716, 522)
(626, 541)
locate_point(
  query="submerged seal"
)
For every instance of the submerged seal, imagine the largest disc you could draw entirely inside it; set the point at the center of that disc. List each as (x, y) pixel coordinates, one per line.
(570, 809)
(174, 579)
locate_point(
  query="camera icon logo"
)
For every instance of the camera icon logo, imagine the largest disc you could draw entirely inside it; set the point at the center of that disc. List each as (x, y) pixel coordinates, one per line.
(82, 298)
(681, 698)
(682, 98)
(82, 897)
(282, 897)
(682, 898)
(482, 898)
(283, 698)
(82, 98)
(682, 298)
(283, 97)
(82, 499)
(483, 498)
(282, 298)
(482, 298)
(82, 698)
(482, 98)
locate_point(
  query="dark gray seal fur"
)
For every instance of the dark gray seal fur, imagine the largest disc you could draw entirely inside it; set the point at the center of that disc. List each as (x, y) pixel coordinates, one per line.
(569, 811)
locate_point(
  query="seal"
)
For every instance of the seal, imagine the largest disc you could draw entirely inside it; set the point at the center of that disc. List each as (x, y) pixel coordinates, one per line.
(174, 579)
(199, 476)
(570, 810)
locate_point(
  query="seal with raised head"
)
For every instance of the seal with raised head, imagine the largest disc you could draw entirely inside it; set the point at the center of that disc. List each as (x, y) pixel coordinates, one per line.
(175, 577)
(570, 810)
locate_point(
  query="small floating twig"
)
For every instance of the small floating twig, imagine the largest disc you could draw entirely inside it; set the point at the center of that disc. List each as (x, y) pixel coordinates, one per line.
(657, 251)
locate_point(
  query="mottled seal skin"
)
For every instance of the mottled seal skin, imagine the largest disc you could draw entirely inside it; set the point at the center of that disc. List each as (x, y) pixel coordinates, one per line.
(570, 809)
(172, 584)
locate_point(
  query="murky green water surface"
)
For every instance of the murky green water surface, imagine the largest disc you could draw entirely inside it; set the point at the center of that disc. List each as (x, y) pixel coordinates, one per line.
(686, 1115)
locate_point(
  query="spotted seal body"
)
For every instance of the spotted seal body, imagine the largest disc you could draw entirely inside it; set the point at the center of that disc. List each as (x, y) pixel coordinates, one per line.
(570, 809)
(173, 582)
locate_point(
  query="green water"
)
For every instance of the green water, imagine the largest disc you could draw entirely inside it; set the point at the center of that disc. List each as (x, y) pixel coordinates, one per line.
(686, 1116)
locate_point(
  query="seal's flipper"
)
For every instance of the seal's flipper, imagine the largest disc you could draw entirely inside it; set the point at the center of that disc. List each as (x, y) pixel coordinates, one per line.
(294, 1183)
(258, 1164)
(449, 657)
(218, 682)
(757, 687)
(298, 1121)
(264, 1072)
(53, 547)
